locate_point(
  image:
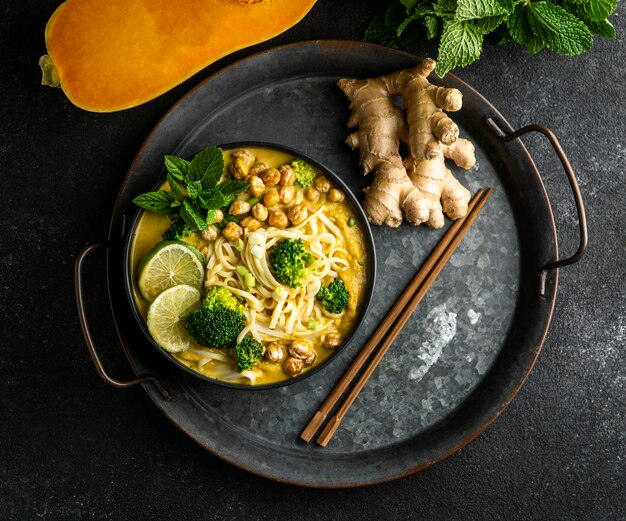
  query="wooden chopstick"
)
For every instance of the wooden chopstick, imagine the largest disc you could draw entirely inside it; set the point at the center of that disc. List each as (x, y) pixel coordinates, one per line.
(393, 323)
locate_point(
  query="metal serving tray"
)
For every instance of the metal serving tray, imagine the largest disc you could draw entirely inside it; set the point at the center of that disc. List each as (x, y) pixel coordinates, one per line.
(467, 349)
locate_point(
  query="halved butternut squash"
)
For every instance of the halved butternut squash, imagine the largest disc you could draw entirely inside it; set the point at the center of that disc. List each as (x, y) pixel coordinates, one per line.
(110, 55)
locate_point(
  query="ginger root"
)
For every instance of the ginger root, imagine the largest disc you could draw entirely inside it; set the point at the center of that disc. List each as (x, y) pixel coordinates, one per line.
(420, 186)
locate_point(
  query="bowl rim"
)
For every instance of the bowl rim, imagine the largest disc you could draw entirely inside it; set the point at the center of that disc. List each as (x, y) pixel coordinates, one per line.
(367, 299)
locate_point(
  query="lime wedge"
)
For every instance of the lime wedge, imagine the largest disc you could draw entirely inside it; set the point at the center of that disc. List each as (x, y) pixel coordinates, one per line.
(166, 317)
(168, 264)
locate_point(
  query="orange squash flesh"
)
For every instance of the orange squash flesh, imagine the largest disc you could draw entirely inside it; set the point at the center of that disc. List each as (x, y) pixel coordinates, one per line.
(115, 54)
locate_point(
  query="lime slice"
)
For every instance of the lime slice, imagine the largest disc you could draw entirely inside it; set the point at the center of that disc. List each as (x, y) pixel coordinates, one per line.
(168, 264)
(166, 317)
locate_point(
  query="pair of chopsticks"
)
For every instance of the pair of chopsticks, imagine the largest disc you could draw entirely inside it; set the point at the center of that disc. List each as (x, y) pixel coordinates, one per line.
(391, 326)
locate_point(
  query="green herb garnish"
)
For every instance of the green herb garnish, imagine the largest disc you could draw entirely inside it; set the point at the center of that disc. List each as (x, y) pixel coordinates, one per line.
(564, 26)
(195, 189)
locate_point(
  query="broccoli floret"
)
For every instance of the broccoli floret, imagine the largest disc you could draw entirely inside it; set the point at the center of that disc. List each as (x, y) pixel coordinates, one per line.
(217, 327)
(305, 173)
(334, 297)
(248, 352)
(290, 261)
(219, 321)
(177, 231)
(220, 296)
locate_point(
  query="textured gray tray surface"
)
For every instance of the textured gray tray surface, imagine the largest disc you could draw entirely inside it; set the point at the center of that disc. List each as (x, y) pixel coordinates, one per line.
(288, 96)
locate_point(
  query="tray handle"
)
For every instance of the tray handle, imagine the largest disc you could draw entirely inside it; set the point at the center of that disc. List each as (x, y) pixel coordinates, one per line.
(571, 176)
(82, 316)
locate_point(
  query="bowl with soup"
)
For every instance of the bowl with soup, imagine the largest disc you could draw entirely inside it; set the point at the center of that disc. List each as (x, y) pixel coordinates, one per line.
(274, 286)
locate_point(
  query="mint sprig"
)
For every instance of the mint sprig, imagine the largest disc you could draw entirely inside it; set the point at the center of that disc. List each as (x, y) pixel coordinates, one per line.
(563, 26)
(195, 191)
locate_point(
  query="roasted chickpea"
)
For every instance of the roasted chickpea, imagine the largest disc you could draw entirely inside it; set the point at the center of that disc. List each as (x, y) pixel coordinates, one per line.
(336, 196)
(260, 212)
(301, 349)
(210, 234)
(312, 194)
(278, 219)
(250, 223)
(332, 340)
(239, 169)
(293, 366)
(219, 215)
(239, 207)
(271, 198)
(257, 187)
(271, 177)
(297, 214)
(244, 155)
(232, 232)
(309, 361)
(257, 168)
(287, 193)
(322, 183)
(274, 352)
(287, 175)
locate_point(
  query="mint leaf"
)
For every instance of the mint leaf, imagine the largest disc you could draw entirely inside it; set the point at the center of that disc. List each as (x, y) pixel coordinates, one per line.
(211, 199)
(558, 29)
(192, 217)
(409, 5)
(433, 27)
(177, 166)
(535, 44)
(504, 37)
(210, 216)
(489, 24)
(595, 10)
(159, 202)
(446, 9)
(427, 7)
(407, 21)
(193, 189)
(510, 5)
(476, 9)
(174, 188)
(422, 10)
(233, 187)
(378, 32)
(519, 27)
(461, 44)
(201, 197)
(395, 15)
(207, 166)
(603, 28)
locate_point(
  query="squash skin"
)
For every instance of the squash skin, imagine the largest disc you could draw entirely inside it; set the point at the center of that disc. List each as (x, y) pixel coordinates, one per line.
(112, 55)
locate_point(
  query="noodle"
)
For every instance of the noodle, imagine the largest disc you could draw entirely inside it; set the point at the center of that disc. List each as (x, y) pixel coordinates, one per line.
(299, 313)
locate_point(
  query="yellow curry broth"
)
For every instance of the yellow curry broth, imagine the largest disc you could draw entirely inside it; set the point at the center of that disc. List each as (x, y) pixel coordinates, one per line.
(355, 276)
(151, 227)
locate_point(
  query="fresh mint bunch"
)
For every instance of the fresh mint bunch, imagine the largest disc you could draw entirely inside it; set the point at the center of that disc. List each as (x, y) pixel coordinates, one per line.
(564, 26)
(195, 189)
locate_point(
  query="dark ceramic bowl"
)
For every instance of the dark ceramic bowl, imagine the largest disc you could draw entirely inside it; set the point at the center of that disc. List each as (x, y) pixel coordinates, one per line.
(129, 277)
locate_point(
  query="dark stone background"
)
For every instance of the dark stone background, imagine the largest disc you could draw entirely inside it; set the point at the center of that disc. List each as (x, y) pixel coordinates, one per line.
(73, 448)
